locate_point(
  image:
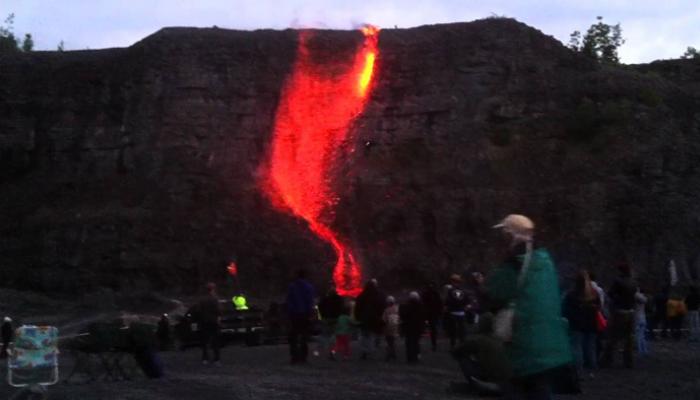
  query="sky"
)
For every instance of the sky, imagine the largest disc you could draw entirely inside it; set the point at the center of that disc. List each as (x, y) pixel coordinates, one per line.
(653, 29)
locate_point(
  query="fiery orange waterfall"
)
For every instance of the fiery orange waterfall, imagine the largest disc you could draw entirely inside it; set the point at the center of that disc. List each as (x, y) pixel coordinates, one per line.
(313, 118)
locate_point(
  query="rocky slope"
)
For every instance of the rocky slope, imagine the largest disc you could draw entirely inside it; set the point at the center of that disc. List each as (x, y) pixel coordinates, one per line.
(137, 168)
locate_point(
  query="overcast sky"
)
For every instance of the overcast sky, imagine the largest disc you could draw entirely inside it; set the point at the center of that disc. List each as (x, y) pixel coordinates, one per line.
(654, 29)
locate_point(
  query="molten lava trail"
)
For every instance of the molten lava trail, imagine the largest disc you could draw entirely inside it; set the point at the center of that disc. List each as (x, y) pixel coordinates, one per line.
(315, 112)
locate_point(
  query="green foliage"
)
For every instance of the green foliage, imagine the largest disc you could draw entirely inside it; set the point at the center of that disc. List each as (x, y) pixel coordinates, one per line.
(691, 52)
(8, 40)
(649, 97)
(615, 112)
(600, 42)
(28, 43)
(590, 119)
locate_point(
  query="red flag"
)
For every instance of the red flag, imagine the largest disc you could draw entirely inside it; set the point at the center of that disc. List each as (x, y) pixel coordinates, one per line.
(232, 269)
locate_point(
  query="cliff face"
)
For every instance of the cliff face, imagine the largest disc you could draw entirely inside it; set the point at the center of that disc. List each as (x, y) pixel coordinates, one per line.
(138, 167)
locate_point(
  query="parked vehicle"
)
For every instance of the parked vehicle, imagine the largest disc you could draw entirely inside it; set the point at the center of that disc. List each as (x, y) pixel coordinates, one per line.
(246, 326)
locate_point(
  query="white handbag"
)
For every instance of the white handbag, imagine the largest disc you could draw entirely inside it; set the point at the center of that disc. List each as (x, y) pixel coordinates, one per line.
(503, 320)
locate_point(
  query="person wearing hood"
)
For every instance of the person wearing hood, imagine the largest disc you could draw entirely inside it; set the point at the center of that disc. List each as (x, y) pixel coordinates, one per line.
(527, 283)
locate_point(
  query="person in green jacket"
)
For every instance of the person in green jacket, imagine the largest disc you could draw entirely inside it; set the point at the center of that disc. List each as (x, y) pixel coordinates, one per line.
(527, 281)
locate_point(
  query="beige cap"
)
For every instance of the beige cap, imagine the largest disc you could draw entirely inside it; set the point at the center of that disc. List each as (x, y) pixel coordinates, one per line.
(520, 226)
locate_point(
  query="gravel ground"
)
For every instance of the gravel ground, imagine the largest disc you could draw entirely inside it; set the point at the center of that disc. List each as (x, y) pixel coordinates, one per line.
(264, 373)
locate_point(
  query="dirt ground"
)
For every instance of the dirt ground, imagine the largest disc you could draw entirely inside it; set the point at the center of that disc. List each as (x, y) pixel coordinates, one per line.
(264, 373)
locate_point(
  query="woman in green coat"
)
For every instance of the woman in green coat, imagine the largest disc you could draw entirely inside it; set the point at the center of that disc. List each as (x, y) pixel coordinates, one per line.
(527, 280)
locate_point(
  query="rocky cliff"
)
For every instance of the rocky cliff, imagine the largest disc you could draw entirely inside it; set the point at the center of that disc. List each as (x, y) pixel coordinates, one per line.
(138, 167)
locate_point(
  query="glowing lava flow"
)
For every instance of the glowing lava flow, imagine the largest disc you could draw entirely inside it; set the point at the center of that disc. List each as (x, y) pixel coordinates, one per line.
(313, 119)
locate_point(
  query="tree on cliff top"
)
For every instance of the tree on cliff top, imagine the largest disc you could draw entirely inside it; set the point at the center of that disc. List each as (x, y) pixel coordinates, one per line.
(600, 42)
(8, 40)
(691, 52)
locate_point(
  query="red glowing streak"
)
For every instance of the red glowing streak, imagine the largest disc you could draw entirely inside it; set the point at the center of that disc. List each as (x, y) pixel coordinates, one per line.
(232, 269)
(312, 121)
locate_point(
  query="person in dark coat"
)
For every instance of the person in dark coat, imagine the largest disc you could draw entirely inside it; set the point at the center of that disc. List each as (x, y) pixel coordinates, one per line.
(413, 322)
(7, 335)
(433, 311)
(622, 323)
(163, 333)
(581, 306)
(300, 308)
(329, 308)
(369, 309)
(209, 320)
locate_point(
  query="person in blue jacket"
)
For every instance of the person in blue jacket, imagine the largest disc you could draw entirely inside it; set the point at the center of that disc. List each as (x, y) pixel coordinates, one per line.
(300, 308)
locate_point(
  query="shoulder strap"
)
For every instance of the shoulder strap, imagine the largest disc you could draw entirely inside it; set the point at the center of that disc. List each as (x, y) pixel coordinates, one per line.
(526, 264)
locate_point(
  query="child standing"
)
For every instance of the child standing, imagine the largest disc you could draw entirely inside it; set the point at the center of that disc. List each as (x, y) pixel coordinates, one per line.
(391, 327)
(343, 332)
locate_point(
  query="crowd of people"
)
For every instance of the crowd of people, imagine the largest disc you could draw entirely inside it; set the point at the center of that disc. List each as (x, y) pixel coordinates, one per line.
(512, 332)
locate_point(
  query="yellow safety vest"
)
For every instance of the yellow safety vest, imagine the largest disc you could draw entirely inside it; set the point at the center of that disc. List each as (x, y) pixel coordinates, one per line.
(240, 303)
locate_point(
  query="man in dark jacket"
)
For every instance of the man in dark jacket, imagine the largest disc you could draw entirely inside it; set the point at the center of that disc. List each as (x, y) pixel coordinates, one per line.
(209, 320)
(622, 322)
(413, 322)
(369, 308)
(300, 308)
(329, 309)
(432, 304)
